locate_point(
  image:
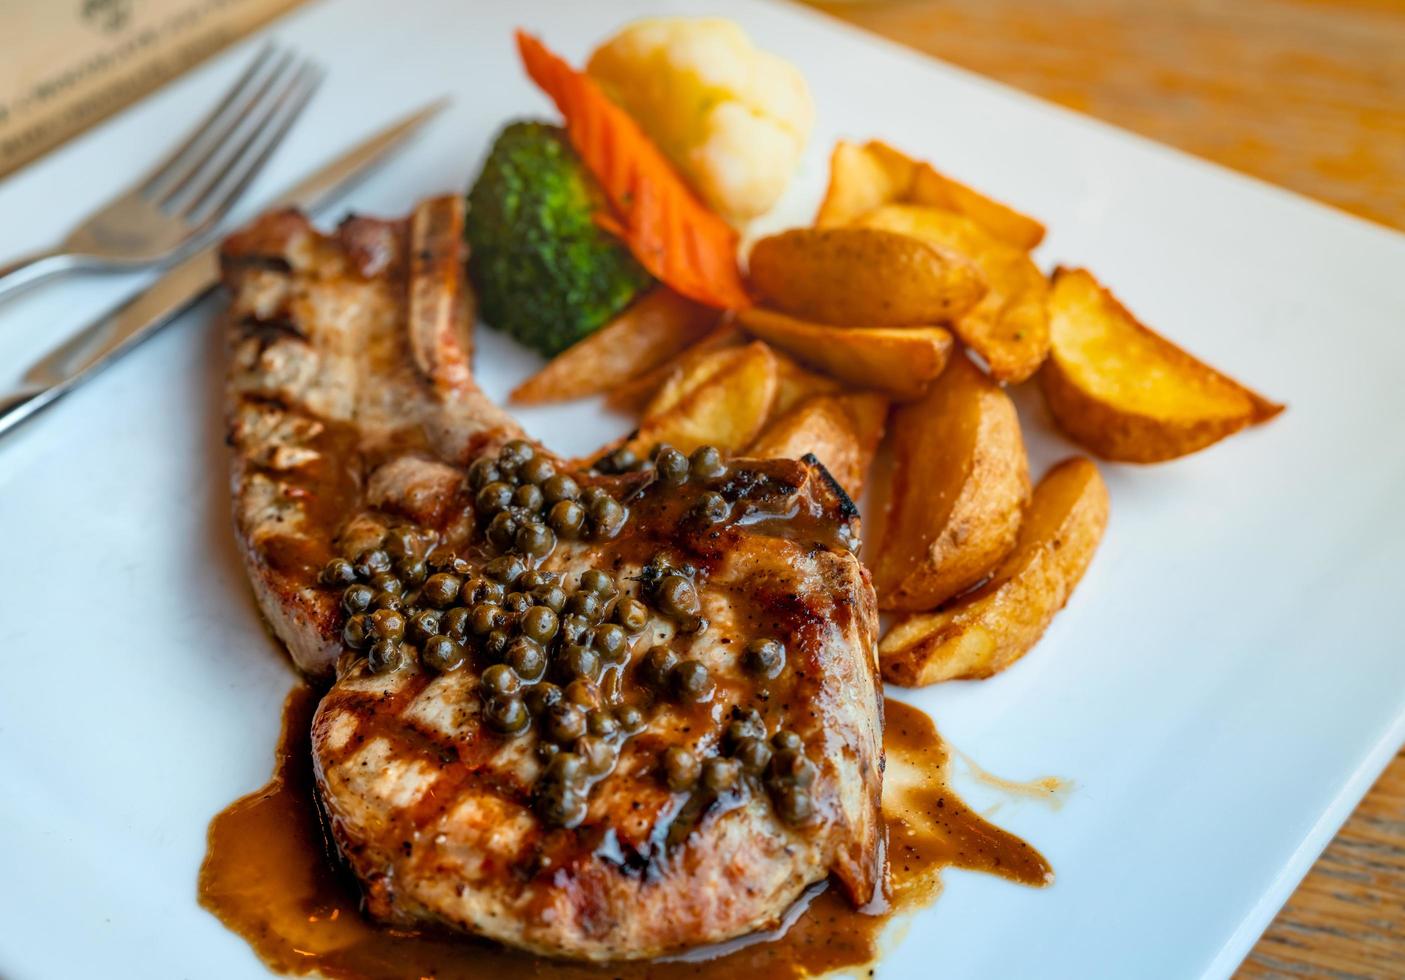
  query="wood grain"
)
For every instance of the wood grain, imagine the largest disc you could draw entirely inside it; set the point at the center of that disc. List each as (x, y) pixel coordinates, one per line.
(1308, 94)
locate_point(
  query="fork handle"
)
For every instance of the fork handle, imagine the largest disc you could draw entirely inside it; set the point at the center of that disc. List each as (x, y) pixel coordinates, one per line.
(33, 268)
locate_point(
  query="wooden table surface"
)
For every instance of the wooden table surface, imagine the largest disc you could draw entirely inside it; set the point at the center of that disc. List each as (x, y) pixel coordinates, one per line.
(1308, 94)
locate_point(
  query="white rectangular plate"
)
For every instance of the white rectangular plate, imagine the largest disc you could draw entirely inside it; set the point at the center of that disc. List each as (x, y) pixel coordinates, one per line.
(1224, 686)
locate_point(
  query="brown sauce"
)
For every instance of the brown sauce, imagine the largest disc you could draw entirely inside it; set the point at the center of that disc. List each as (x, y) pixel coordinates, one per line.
(269, 876)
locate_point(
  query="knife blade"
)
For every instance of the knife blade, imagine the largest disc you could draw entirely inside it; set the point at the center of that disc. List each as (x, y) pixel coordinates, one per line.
(129, 323)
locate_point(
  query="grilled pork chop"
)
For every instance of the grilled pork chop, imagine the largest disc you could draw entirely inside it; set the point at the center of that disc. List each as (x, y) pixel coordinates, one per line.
(597, 715)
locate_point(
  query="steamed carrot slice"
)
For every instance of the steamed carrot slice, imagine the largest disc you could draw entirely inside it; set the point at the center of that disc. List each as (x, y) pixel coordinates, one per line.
(668, 229)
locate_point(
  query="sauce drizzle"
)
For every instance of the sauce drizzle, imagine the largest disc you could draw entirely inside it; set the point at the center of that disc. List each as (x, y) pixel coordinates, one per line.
(270, 875)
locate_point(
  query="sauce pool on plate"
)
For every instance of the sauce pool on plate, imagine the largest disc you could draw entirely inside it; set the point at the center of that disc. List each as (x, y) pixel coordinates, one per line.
(270, 875)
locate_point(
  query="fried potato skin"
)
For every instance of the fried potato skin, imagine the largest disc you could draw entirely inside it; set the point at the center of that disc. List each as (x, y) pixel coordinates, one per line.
(726, 407)
(986, 630)
(650, 331)
(1009, 327)
(899, 361)
(1127, 393)
(842, 431)
(865, 177)
(958, 484)
(864, 276)
(633, 395)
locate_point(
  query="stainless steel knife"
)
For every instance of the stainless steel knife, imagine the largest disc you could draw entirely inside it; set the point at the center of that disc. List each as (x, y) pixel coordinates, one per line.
(122, 328)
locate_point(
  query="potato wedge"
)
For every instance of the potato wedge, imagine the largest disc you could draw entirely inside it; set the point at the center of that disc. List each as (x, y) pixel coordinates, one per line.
(986, 630)
(795, 384)
(1009, 327)
(865, 177)
(692, 376)
(958, 485)
(634, 394)
(839, 429)
(727, 408)
(650, 331)
(1126, 392)
(900, 361)
(863, 275)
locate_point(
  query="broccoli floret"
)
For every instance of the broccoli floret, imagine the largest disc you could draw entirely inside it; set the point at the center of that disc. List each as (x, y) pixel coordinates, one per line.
(544, 272)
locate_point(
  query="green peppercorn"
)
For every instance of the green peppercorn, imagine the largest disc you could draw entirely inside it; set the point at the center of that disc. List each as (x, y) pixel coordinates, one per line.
(566, 518)
(495, 644)
(387, 624)
(610, 641)
(502, 681)
(566, 768)
(577, 660)
(573, 628)
(744, 725)
(586, 605)
(539, 623)
(507, 569)
(355, 633)
(582, 691)
(502, 531)
(597, 754)
(384, 656)
(720, 775)
(552, 596)
(607, 516)
(338, 573)
(507, 715)
(706, 463)
(442, 653)
(371, 563)
(493, 498)
(444, 560)
(591, 494)
(401, 542)
(427, 622)
(528, 497)
(630, 718)
(536, 470)
(711, 508)
(793, 804)
(602, 722)
(456, 623)
(680, 769)
(671, 465)
(514, 454)
(560, 805)
(753, 754)
(677, 597)
(535, 539)
(357, 598)
(658, 664)
(632, 614)
(787, 741)
(480, 590)
(441, 589)
(542, 696)
(791, 765)
(691, 681)
(622, 460)
(485, 618)
(564, 722)
(388, 600)
(387, 582)
(411, 571)
(517, 602)
(483, 472)
(560, 487)
(599, 582)
(527, 658)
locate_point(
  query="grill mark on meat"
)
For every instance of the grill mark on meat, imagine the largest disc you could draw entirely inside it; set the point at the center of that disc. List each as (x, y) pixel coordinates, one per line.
(352, 406)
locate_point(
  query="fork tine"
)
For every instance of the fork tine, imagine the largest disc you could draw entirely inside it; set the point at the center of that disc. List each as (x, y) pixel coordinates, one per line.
(228, 185)
(178, 161)
(175, 196)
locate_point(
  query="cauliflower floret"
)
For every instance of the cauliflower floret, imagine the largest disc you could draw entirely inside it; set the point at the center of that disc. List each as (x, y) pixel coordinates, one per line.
(732, 118)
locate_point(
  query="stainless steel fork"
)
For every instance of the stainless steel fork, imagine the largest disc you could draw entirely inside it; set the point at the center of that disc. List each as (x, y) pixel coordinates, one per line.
(187, 194)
